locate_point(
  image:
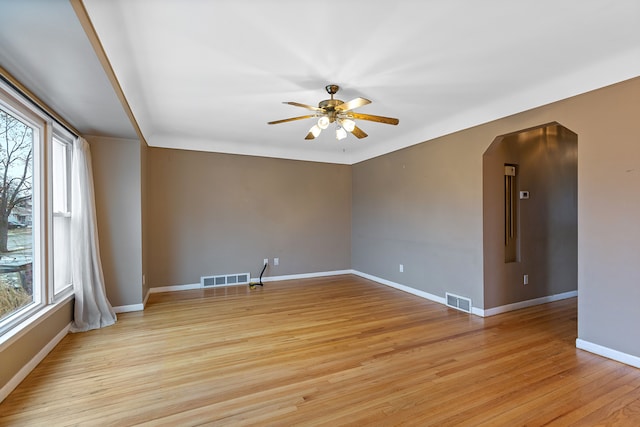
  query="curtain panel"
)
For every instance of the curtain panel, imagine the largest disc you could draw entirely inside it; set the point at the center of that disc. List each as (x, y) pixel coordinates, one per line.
(92, 309)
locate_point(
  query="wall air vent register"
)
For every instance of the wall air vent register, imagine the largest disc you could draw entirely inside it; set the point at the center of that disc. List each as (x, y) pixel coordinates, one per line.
(225, 280)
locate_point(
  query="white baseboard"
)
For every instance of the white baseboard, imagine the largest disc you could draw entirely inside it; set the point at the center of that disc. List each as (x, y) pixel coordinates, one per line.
(524, 304)
(441, 300)
(146, 298)
(30, 366)
(128, 308)
(404, 288)
(175, 288)
(301, 276)
(609, 353)
(477, 311)
(474, 310)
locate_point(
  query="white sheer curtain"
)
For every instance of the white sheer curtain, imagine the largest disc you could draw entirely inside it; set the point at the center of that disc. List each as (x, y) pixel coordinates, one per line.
(92, 310)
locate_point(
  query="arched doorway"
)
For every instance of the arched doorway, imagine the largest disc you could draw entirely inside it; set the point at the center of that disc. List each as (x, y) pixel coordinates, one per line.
(530, 218)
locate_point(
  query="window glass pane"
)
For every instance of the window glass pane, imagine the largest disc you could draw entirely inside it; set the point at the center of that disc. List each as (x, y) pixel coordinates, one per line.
(59, 176)
(61, 253)
(16, 202)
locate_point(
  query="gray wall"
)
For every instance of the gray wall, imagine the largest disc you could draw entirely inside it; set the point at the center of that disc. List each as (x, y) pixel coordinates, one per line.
(422, 207)
(116, 167)
(434, 211)
(220, 214)
(547, 164)
(118, 189)
(609, 216)
(144, 149)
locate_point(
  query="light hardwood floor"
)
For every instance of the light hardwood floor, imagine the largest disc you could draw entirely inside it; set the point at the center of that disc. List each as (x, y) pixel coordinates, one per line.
(331, 351)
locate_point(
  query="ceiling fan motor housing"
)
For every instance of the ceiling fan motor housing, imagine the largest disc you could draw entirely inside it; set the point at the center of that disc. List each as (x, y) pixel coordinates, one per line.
(329, 106)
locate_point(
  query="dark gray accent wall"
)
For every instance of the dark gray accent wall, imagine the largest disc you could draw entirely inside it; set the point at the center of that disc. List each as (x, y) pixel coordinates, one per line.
(546, 224)
(213, 214)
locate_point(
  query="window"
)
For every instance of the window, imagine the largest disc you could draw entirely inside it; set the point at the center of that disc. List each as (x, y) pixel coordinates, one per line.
(61, 204)
(20, 137)
(34, 242)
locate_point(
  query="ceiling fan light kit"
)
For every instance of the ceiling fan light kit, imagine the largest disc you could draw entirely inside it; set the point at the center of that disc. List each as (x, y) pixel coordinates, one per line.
(315, 130)
(339, 112)
(323, 122)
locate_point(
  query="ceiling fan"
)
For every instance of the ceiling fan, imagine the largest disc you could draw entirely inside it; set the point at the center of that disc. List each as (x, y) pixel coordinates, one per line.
(339, 112)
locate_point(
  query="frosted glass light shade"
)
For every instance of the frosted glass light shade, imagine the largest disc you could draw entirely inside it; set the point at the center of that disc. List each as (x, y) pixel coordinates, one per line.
(341, 133)
(315, 130)
(348, 124)
(323, 122)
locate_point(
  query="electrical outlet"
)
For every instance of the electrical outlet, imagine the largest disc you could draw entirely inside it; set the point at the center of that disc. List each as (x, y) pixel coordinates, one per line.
(525, 279)
(276, 261)
(265, 261)
(401, 268)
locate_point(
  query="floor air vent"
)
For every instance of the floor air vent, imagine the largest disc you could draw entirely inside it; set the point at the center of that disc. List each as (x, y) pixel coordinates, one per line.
(458, 302)
(225, 280)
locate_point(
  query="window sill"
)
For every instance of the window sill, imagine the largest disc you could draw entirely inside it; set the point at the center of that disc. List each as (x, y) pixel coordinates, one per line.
(34, 320)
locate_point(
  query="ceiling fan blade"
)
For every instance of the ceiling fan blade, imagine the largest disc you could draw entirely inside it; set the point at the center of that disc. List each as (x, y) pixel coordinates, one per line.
(309, 136)
(354, 103)
(359, 133)
(291, 119)
(308, 107)
(372, 118)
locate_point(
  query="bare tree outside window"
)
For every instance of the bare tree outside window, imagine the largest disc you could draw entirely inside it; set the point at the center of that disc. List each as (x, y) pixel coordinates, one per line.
(16, 240)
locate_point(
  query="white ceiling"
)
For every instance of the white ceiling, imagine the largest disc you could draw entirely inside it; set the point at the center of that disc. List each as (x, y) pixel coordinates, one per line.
(43, 45)
(208, 75)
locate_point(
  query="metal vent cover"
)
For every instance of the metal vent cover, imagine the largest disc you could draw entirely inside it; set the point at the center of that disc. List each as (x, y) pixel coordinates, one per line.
(458, 302)
(225, 280)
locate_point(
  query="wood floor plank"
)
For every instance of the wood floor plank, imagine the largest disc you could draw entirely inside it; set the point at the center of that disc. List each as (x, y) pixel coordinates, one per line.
(333, 351)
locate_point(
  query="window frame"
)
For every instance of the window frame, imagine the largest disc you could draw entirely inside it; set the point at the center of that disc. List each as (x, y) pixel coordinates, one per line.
(60, 136)
(43, 298)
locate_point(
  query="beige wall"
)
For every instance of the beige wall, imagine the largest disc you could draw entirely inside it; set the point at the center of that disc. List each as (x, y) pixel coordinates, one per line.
(118, 190)
(145, 218)
(20, 352)
(547, 222)
(215, 214)
(116, 165)
(423, 205)
(609, 215)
